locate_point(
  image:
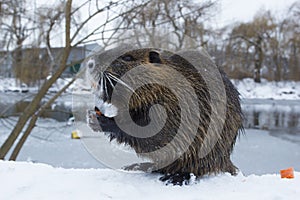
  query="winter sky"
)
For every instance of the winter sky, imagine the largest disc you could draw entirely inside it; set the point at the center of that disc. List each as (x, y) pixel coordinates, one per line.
(229, 11)
(244, 10)
(233, 10)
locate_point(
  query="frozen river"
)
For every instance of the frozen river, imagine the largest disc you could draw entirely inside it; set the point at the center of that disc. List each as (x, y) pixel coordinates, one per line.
(256, 151)
(266, 114)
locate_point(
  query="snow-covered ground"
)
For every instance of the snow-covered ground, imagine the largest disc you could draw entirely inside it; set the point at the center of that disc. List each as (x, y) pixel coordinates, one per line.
(247, 88)
(268, 90)
(71, 172)
(11, 85)
(22, 181)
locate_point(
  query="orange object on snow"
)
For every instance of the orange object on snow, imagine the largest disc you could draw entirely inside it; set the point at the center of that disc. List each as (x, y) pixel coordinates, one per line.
(287, 173)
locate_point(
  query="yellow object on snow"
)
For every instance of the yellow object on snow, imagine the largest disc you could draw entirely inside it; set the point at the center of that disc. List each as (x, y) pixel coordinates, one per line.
(75, 135)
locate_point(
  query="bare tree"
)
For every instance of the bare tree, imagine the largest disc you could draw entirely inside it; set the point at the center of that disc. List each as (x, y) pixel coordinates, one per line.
(16, 29)
(253, 37)
(49, 21)
(184, 19)
(291, 31)
(73, 37)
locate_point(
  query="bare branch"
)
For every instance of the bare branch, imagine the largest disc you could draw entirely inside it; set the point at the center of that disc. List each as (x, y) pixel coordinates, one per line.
(91, 17)
(107, 21)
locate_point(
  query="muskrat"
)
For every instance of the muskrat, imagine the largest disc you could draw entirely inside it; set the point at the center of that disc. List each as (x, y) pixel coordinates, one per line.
(191, 137)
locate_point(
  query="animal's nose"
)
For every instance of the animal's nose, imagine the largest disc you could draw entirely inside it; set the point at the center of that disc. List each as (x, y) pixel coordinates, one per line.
(91, 64)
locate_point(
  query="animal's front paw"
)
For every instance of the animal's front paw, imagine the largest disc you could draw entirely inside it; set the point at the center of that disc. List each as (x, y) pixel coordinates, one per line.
(176, 179)
(92, 121)
(145, 167)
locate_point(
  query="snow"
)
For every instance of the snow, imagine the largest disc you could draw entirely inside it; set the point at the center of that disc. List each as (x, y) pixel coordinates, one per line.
(72, 173)
(20, 180)
(11, 85)
(267, 90)
(247, 88)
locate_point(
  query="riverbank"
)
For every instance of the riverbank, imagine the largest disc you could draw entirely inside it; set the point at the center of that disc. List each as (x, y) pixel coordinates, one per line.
(247, 88)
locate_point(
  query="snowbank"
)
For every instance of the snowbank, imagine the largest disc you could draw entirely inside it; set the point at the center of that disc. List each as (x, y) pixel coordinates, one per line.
(20, 180)
(11, 85)
(247, 87)
(268, 90)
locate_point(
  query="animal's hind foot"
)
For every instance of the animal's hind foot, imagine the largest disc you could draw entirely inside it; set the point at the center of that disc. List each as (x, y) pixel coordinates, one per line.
(233, 170)
(176, 179)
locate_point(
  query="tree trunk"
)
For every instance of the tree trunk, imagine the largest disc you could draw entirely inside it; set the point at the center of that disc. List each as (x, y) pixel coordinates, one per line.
(294, 63)
(33, 120)
(278, 64)
(258, 60)
(33, 107)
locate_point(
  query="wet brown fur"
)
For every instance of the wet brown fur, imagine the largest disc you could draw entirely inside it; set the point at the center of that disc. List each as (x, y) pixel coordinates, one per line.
(218, 159)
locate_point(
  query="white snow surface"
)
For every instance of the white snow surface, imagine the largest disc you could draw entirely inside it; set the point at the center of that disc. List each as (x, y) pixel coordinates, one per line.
(268, 90)
(247, 88)
(21, 180)
(257, 154)
(11, 85)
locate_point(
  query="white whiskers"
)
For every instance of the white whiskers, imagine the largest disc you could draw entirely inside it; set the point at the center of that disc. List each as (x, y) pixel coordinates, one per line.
(101, 85)
(120, 81)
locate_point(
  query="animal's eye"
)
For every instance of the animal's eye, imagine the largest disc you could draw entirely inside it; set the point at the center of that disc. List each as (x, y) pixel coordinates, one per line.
(128, 58)
(91, 64)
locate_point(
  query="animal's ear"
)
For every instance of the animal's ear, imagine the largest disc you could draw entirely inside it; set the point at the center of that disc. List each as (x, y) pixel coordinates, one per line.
(154, 57)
